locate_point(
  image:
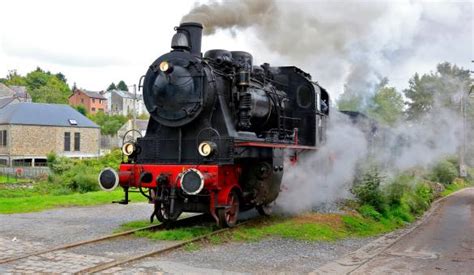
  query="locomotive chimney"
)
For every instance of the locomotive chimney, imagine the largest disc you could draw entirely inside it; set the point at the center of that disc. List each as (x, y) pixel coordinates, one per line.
(193, 32)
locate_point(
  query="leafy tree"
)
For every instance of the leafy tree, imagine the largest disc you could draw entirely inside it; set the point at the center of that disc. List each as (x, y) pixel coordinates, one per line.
(349, 102)
(387, 106)
(43, 86)
(441, 89)
(112, 87)
(13, 78)
(81, 109)
(61, 77)
(109, 124)
(122, 86)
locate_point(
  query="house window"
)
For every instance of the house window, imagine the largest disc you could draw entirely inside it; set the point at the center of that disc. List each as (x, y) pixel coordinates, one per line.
(3, 138)
(77, 141)
(93, 100)
(82, 100)
(100, 101)
(93, 109)
(67, 141)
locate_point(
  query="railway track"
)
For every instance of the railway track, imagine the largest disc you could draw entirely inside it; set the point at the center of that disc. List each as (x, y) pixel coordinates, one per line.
(105, 266)
(180, 223)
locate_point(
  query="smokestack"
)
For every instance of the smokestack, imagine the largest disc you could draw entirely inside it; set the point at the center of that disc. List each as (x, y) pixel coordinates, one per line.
(188, 36)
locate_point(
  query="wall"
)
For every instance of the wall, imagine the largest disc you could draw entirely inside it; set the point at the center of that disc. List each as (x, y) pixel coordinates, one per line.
(93, 105)
(28, 140)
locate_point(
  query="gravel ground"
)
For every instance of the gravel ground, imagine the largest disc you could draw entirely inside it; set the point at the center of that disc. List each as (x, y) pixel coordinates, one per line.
(266, 256)
(66, 225)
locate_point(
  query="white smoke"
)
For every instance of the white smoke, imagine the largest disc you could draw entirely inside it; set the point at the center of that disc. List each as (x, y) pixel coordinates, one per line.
(356, 44)
(350, 42)
(327, 175)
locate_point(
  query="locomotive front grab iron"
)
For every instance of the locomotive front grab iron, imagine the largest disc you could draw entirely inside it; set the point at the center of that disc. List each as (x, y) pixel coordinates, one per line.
(220, 131)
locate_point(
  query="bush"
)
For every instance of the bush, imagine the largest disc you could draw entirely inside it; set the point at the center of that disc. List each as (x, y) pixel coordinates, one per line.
(367, 189)
(444, 172)
(397, 188)
(369, 211)
(76, 175)
(84, 183)
(59, 165)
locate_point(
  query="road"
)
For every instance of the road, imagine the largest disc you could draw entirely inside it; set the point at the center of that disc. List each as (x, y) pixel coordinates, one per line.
(443, 244)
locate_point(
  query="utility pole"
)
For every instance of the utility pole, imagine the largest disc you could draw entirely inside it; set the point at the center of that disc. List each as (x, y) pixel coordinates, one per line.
(134, 110)
(462, 162)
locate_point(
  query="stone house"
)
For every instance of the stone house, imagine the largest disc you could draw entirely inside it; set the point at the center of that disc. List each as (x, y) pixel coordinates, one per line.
(30, 131)
(140, 125)
(122, 103)
(92, 101)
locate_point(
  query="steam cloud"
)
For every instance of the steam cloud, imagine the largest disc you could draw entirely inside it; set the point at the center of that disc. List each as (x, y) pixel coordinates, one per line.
(357, 44)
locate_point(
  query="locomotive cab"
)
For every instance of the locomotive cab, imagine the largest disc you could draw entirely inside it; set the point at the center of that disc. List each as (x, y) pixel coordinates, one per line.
(220, 130)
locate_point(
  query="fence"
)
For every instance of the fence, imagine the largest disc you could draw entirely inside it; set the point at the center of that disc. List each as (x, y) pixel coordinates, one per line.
(26, 172)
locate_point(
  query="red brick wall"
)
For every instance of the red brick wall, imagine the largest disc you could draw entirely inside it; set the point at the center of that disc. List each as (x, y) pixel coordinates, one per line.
(92, 105)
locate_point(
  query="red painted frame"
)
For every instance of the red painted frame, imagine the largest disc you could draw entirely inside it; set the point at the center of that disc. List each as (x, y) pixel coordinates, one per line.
(219, 180)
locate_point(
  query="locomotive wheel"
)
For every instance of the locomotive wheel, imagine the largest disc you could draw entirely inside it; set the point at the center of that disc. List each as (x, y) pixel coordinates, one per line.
(162, 214)
(264, 209)
(228, 216)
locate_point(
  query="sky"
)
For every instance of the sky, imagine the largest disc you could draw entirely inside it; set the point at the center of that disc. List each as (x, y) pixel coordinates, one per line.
(94, 43)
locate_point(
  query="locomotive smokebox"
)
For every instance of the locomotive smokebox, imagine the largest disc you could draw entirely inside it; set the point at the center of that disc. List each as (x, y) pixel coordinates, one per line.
(188, 36)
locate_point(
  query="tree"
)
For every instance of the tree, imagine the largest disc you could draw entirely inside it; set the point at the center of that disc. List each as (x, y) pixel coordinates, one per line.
(112, 87)
(122, 86)
(434, 91)
(109, 124)
(349, 102)
(61, 77)
(387, 106)
(81, 109)
(42, 86)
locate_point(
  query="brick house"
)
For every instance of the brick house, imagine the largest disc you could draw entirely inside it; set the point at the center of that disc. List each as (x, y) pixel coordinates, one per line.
(30, 131)
(92, 101)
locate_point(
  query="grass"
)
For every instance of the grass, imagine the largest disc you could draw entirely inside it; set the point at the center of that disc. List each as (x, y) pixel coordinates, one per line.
(4, 179)
(457, 185)
(178, 234)
(38, 202)
(307, 227)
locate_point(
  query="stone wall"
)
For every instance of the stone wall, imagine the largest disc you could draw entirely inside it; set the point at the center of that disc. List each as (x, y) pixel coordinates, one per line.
(26, 140)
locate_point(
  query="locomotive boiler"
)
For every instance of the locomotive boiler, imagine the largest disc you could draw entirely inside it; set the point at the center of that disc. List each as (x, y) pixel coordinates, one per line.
(220, 131)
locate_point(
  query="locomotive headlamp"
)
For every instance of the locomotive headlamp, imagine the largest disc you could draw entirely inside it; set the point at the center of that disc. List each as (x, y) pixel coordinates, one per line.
(207, 148)
(128, 148)
(166, 67)
(192, 181)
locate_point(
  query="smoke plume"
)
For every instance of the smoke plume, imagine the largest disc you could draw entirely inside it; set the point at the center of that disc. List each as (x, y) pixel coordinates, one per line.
(324, 177)
(356, 44)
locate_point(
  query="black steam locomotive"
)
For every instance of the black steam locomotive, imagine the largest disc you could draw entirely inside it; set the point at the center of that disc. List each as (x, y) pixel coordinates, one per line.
(220, 131)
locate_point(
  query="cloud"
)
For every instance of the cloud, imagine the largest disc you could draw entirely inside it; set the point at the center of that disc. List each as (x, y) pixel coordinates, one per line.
(42, 55)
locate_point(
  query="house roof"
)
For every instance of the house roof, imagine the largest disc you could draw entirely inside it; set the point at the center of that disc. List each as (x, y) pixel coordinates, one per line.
(5, 101)
(90, 94)
(94, 94)
(44, 115)
(5, 91)
(121, 93)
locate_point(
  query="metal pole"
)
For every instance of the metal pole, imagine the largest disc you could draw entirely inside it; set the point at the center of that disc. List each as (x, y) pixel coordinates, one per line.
(134, 109)
(462, 167)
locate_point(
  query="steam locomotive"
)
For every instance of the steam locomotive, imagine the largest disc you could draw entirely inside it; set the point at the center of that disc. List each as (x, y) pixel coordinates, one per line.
(220, 131)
